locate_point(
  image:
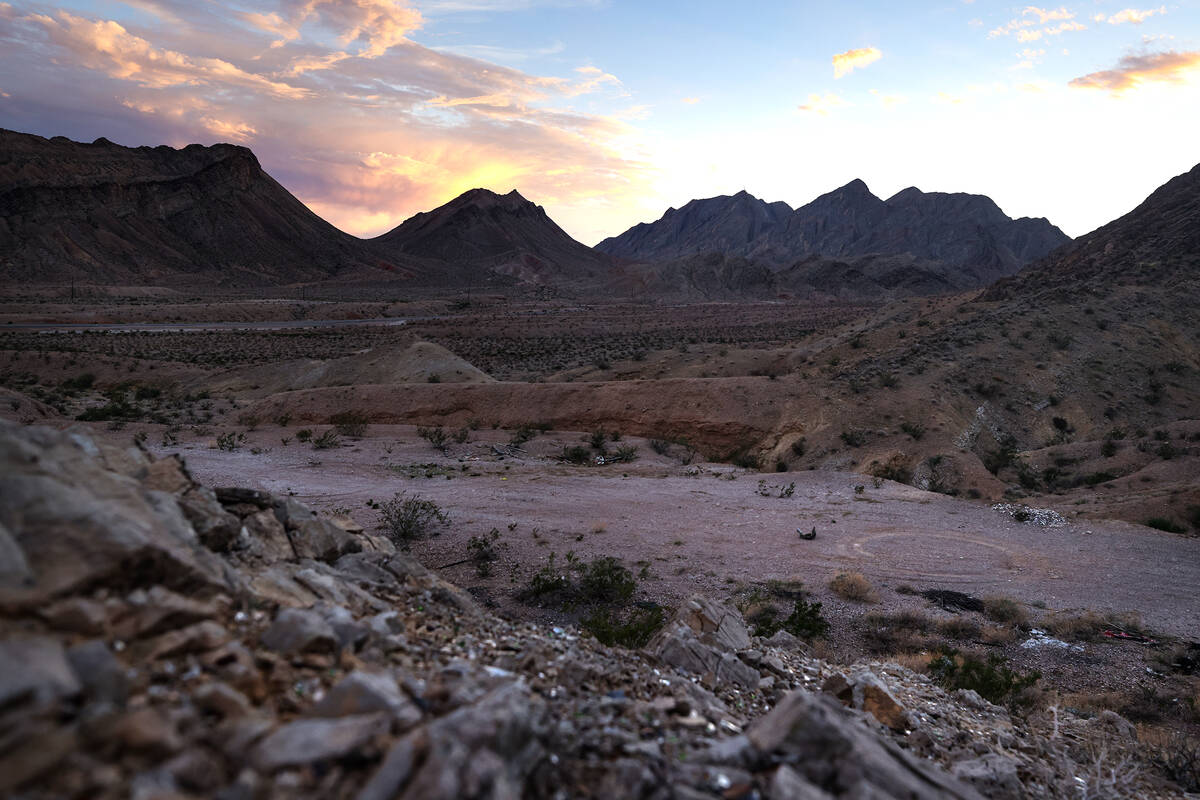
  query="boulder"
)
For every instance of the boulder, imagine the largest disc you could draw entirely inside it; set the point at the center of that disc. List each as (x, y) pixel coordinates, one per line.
(308, 741)
(300, 630)
(363, 692)
(714, 624)
(678, 645)
(871, 694)
(993, 774)
(216, 528)
(35, 670)
(831, 749)
(79, 525)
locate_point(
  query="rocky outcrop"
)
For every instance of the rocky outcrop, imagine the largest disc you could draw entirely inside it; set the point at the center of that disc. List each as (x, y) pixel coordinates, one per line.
(219, 667)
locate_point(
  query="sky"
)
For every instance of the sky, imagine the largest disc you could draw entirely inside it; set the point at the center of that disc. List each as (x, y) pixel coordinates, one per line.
(608, 112)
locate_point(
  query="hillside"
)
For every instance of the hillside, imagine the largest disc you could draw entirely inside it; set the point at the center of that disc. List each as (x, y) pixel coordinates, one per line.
(481, 232)
(102, 213)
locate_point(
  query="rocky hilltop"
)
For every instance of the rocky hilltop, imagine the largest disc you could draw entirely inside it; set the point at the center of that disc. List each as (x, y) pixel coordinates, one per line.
(481, 232)
(844, 241)
(161, 638)
(102, 213)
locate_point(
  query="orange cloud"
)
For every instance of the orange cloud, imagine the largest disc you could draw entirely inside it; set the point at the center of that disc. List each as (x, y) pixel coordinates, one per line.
(691, 101)
(1132, 72)
(108, 47)
(847, 62)
(1131, 15)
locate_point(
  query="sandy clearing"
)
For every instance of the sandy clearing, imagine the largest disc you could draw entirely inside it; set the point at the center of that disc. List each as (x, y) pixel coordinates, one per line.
(710, 531)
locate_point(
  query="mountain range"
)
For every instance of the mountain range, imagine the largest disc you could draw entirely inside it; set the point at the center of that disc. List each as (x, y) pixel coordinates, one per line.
(211, 216)
(915, 242)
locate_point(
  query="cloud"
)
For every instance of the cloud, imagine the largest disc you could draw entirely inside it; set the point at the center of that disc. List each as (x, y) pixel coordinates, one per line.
(1026, 28)
(1133, 71)
(691, 101)
(847, 62)
(108, 47)
(1131, 15)
(359, 121)
(823, 104)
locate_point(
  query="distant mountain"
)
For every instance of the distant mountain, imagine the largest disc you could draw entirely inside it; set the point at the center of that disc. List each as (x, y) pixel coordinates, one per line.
(1153, 247)
(726, 224)
(482, 232)
(103, 213)
(965, 239)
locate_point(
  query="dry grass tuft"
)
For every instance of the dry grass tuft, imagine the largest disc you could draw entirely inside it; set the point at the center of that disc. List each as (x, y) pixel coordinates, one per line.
(1005, 610)
(854, 586)
(961, 628)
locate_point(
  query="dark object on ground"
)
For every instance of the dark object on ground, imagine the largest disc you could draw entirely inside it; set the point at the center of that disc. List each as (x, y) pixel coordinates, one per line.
(808, 537)
(949, 600)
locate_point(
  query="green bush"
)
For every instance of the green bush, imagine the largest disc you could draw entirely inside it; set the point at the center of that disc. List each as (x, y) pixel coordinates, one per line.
(631, 629)
(577, 455)
(437, 437)
(408, 517)
(854, 438)
(605, 580)
(991, 679)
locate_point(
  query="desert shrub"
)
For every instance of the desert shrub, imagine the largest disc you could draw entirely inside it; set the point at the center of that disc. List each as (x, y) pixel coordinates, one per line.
(605, 580)
(1005, 610)
(992, 679)
(805, 621)
(1165, 524)
(1089, 625)
(462, 434)
(303, 435)
(1178, 756)
(799, 447)
(914, 429)
(959, 628)
(282, 419)
(483, 552)
(327, 440)
(853, 586)
(577, 454)
(631, 629)
(660, 446)
(1108, 449)
(230, 441)
(902, 632)
(350, 423)
(624, 454)
(250, 420)
(113, 410)
(437, 437)
(522, 435)
(408, 517)
(854, 438)
(597, 439)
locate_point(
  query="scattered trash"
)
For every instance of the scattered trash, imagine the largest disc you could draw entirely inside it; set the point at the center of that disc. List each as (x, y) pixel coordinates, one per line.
(1039, 638)
(808, 537)
(1130, 637)
(1045, 517)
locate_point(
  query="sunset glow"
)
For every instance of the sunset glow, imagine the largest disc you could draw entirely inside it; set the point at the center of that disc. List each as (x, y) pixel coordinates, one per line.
(608, 112)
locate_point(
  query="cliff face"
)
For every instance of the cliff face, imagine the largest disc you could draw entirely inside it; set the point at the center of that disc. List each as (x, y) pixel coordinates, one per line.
(104, 213)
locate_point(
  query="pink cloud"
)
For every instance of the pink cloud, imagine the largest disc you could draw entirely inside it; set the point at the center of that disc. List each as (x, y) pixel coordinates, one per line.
(1133, 71)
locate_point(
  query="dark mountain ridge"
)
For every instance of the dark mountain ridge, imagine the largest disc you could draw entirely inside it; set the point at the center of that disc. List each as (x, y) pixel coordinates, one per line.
(966, 238)
(104, 213)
